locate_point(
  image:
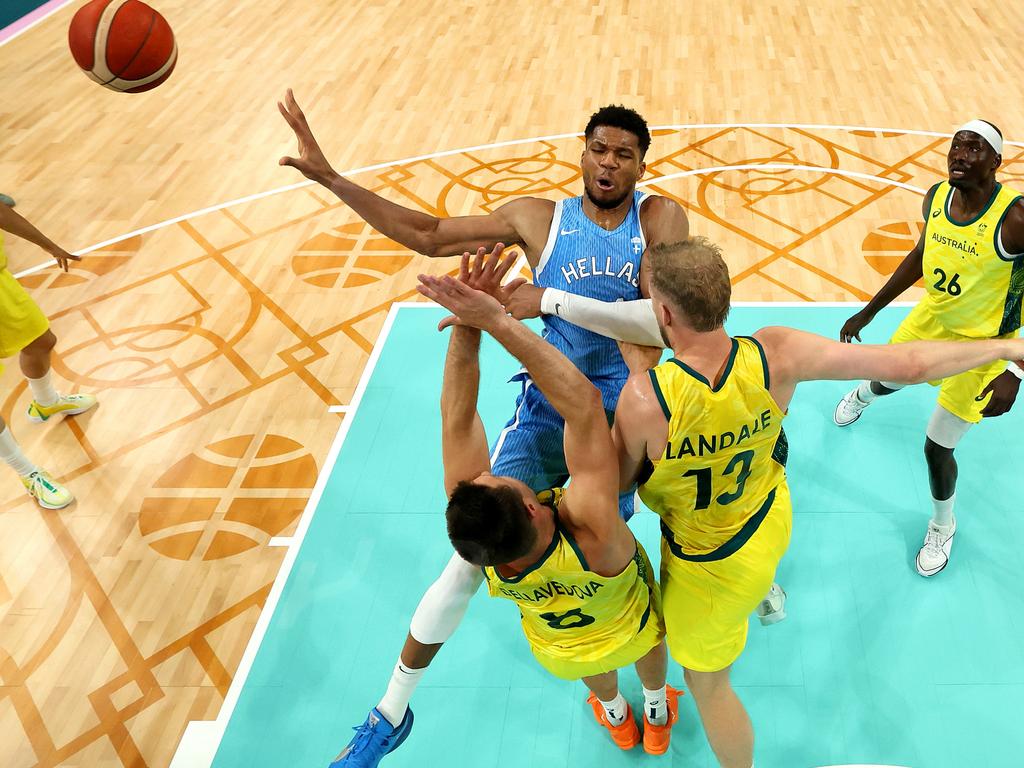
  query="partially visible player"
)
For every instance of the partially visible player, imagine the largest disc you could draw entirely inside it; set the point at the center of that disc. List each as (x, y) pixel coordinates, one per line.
(24, 330)
(703, 434)
(971, 256)
(592, 245)
(583, 584)
(7, 200)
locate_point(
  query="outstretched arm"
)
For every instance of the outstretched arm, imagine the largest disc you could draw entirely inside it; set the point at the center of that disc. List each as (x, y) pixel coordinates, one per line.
(20, 226)
(463, 441)
(907, 273)
(429, 235)
(796, 356)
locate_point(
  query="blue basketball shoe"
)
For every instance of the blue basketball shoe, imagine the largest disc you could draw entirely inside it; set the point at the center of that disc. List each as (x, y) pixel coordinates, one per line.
(374, 739)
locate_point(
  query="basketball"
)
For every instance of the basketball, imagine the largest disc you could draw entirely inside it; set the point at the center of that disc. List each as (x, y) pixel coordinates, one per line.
(123, 45)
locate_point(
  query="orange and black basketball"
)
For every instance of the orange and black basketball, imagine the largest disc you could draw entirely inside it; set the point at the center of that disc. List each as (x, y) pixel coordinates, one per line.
(123, 45)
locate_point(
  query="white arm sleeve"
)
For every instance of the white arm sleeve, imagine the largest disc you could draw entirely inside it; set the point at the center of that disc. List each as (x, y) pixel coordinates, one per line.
(444, 604)
(631, 321)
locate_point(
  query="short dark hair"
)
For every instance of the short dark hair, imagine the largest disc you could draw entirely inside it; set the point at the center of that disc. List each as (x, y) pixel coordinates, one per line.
(488, 525)
(618, 116)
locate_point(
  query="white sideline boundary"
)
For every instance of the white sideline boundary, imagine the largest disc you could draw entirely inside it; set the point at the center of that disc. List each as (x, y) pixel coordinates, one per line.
(202, 738)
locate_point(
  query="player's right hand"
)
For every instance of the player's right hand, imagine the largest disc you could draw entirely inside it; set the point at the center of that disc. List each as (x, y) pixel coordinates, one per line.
(311, 162)
(64, 258)
(852, 327)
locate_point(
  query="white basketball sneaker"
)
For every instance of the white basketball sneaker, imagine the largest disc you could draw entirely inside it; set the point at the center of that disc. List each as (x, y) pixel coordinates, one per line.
(772, 609)
(938, 541)
(849, 409)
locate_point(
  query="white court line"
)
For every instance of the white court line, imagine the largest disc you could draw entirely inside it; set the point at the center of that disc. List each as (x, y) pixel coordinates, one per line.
(781, 167)
(199, 744)
(40, 20)
(280, 541)
(339, 409)
(495, 145)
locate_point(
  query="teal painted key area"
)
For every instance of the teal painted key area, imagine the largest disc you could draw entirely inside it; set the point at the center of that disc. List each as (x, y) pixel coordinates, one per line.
(875, 664)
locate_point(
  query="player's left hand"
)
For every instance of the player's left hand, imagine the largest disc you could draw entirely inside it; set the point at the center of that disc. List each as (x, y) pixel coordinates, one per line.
(467, 305)
(64, 258)
(1004, 391)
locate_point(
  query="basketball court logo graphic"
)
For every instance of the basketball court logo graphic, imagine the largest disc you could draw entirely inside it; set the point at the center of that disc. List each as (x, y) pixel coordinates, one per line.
(228, 497)
(349, 256)
(886, 246)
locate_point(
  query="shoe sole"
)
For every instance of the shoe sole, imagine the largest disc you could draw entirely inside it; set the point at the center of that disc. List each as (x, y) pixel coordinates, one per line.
(73, 412)
(774, 618)
(44, 505)
(927, 574)
(839, 423)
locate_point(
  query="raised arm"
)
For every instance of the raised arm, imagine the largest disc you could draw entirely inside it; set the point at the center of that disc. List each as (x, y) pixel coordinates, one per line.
(589, 452)
(520, 221)
(21, 227)
(907, 273)
(463, 441)
(795, 356)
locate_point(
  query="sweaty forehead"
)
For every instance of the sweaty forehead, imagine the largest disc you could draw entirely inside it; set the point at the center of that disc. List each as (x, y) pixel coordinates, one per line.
(969, 137)
(614, 137)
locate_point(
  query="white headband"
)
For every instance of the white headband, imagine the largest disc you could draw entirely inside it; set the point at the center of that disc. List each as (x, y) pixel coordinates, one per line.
(986, 131)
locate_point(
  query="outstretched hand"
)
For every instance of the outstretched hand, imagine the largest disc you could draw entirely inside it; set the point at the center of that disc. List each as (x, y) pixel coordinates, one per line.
(487, 270)
(468, 306)
(311, 161)
(64, 258)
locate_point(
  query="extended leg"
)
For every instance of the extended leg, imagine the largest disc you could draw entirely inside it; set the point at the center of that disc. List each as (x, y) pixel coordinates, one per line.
(725, 720)
(945, 430)
(856, 400)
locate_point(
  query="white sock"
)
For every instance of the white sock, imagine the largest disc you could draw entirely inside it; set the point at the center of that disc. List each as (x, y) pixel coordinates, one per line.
(11, 453)
(656, 706)
(42, 390)
(396, 699)
(615, 709)
(943, 514)
(864, 393)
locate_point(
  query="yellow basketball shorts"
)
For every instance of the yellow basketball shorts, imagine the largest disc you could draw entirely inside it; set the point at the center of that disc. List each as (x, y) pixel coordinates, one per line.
(957, 394)
(708, 604)
(629, 653)
(21, 319)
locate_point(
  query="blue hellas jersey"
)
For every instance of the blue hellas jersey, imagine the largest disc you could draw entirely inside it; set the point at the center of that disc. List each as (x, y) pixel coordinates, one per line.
(582, 258)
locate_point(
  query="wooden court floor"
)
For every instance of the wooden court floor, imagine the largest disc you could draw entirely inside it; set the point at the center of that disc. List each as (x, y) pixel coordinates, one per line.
(218, 343)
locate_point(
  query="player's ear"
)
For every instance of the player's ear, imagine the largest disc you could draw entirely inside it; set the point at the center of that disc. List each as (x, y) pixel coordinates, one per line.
(641, 170)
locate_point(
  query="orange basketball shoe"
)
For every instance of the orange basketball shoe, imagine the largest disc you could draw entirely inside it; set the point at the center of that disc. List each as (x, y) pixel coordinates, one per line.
(626, 735)
(657, 737)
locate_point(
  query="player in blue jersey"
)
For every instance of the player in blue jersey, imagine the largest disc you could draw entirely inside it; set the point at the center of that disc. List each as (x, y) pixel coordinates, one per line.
(591, 245)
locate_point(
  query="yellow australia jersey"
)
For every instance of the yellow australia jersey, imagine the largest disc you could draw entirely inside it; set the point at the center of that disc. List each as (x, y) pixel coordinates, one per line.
(725, 454)
(974, 288)
(3, 253)
(572, 613)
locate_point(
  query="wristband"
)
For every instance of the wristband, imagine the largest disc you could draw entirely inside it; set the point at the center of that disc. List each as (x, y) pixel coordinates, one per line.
(1016, 370)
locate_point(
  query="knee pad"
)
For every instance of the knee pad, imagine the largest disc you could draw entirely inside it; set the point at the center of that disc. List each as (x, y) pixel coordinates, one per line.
(892, 385)
(946, 429)
(445, 602)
